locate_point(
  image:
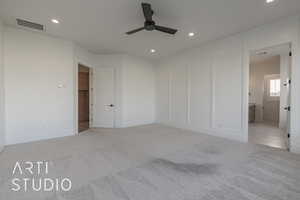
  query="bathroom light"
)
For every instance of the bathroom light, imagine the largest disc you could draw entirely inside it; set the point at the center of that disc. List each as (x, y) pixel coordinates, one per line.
(270, 1)
(55, 21)
(191, 34)
(152, 50)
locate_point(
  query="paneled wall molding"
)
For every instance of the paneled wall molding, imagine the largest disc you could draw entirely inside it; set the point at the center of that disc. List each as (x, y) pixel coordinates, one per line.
(245, 89)
(208, 86)
(169, 92)
(213, 96)
(191, 122)
(188, 94)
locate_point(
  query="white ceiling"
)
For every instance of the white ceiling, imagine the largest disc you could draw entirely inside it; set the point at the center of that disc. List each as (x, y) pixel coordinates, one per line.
(100, 25)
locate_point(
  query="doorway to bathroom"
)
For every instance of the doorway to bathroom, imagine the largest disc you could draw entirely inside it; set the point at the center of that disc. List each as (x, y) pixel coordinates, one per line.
(269, 96)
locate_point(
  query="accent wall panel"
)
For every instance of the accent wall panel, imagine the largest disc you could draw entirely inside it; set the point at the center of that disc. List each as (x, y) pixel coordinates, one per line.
(227, 85)
(2, 124)
(200, 92)
(162, 97)
(178, 94)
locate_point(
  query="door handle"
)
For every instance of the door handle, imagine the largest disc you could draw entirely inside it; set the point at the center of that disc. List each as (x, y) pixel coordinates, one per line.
(287, 108)
(111, 105)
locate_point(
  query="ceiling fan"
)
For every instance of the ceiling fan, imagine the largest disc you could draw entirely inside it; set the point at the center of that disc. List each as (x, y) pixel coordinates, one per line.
(149, 24)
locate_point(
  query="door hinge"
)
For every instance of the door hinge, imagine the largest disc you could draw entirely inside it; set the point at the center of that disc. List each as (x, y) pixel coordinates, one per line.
(287, 83)
(289, 135)
(287, 108)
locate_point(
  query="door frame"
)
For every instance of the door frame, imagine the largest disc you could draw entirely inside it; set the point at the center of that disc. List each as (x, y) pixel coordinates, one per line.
(75, 116)
(246, 81)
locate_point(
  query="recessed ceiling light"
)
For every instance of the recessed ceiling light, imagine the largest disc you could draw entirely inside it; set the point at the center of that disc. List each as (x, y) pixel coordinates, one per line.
(191, 34)
(270, 1)
(152, 50)
(55, 21)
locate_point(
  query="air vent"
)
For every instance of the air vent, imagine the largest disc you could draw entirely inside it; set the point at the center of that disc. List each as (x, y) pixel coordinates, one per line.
(261, 53)
(30, 25)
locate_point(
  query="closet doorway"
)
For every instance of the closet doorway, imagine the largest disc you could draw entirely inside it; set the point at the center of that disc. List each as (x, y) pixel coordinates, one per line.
(83, 98)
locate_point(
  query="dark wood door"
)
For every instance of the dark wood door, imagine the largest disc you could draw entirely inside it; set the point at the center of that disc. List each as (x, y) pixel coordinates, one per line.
(83, 98)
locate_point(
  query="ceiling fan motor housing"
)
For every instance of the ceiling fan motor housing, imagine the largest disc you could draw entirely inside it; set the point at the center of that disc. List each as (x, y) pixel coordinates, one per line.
(149, 25)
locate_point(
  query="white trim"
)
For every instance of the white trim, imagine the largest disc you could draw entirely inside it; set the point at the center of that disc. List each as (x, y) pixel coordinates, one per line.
(212, 94)
(75, 89)
(2, 89)
(188, 99)
(170, 94)
(115, 95)
(245, 91)
(91, 95)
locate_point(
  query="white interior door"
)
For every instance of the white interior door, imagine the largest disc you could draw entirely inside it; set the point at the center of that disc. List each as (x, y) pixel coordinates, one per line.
(104, 97)
(271, 101)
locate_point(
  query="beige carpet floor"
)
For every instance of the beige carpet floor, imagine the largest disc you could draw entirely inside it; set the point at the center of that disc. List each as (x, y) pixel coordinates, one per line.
(155, 162)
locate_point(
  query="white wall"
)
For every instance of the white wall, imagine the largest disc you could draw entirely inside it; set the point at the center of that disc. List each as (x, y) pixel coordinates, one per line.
(1, 89)
(258, 71)
(135, 89)
(84, 57)
(138, 92)
(206, 89)
(39, 86)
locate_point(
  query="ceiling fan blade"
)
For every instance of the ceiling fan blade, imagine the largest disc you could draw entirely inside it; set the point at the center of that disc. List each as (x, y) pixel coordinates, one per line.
(148, 12)
(135, 30)
(165, 29)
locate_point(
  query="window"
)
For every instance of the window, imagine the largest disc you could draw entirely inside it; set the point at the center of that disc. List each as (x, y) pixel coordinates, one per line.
(275, 87)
